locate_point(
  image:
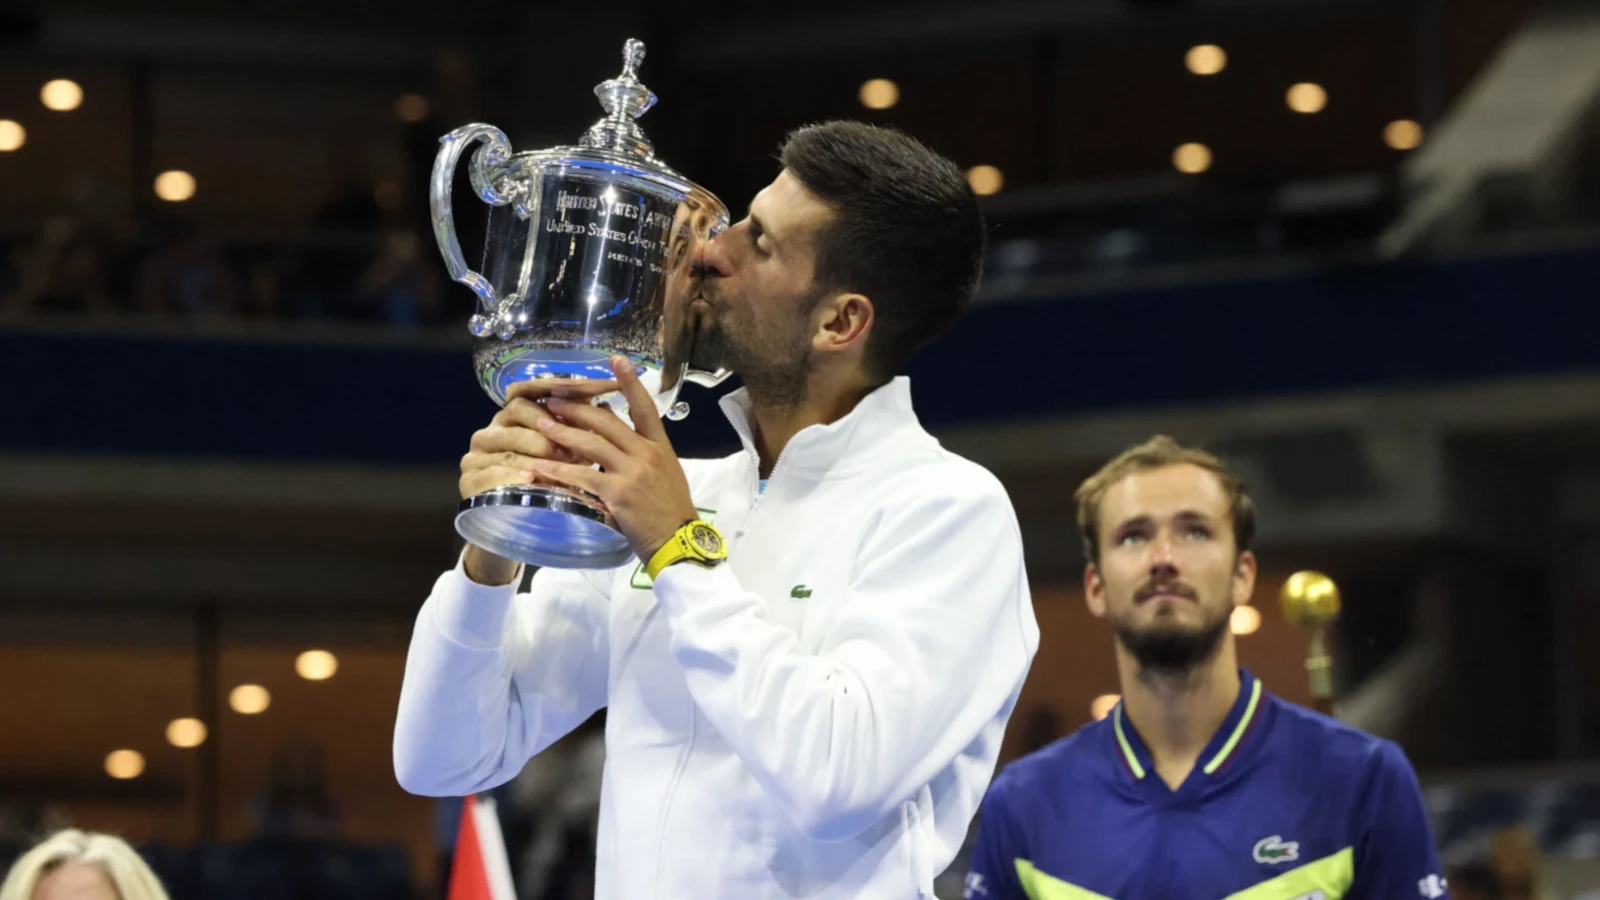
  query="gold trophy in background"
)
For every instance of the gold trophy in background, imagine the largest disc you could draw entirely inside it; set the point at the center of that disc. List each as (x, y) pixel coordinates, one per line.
(1311, 601)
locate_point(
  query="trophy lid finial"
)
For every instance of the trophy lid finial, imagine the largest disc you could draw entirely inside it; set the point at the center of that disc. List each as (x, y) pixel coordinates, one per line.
(625, 98)
(632, 55)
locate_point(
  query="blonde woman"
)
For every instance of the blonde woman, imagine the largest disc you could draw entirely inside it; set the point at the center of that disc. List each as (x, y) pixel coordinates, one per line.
(81, 865)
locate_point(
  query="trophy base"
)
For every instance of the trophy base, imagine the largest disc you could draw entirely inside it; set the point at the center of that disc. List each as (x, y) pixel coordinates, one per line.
(543, 526)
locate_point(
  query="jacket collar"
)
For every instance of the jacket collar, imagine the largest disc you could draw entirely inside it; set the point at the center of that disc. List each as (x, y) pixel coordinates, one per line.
(842, 446)
(1225, 744)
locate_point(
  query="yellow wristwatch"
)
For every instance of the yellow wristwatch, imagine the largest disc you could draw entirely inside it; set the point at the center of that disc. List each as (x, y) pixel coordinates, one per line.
(696, 541)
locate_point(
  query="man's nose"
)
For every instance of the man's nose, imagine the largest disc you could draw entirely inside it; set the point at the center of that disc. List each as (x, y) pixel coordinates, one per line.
(1161, 558)
(712, 261)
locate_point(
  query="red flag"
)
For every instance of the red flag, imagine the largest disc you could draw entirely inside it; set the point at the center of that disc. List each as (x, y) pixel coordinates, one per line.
(481, 870)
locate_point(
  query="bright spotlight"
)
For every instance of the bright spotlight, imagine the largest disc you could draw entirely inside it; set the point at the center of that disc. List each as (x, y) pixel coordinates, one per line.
(1206, 59)
(61, 95)
(316, 665)
(1403, 134)
(879, 93)
(12, 136)
(1192, 158)
(249, 699)
(186, 733)
(1307, 98)
(175, 186)
(985, 180)
(124, 765)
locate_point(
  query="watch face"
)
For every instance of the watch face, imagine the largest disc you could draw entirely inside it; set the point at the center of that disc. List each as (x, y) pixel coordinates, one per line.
(706, 539)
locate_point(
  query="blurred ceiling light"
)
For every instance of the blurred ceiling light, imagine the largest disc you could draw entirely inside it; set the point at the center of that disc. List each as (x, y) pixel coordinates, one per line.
(249, 699)
(1403, 134)
(985, 180)
(1245, 620)
(879, 93)
(1192, 158)
(1206, 59)
(124, 764)
(186, 733)
(61, 95)
(316, 665)
(175, 186)
(1103, 704)
(412, 108)
(12, 136)
(1306, 97)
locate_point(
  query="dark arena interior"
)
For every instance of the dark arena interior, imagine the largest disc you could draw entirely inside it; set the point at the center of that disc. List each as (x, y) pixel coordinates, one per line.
(1352, 247)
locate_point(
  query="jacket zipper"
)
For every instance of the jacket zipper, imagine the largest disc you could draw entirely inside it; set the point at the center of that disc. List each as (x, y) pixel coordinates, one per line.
(755, 502)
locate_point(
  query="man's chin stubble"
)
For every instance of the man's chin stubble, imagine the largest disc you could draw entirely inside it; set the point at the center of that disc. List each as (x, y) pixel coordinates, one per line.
(1173, 651)
(774, 385)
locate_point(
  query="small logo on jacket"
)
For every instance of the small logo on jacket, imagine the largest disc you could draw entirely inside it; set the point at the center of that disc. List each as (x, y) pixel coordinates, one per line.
(975, 887)
(1432, 887)
(1275, 849)
(800, 592)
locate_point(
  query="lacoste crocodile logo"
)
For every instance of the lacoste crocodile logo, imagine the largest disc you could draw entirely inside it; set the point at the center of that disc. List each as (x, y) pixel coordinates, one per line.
(800, 592)
(1275, 850)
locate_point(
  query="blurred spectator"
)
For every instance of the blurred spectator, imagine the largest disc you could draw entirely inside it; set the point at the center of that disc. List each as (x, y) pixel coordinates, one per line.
(263, 296)
(1474, 881)
(1515, 857)
(64, 271)
(352, 205)
(297, 803)
(188, 276)
(348, 221)
(400, 286)
(78, 865)
(562, 787)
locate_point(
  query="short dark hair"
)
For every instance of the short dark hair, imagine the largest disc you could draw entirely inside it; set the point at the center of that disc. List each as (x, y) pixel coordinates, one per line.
(1158, 453)
(908, 232)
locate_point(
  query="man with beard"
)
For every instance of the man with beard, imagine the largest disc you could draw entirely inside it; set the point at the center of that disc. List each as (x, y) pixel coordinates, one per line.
(808, 670)
(1199, 785)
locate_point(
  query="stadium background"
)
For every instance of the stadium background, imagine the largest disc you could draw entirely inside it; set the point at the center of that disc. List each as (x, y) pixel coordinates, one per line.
(1357, 251)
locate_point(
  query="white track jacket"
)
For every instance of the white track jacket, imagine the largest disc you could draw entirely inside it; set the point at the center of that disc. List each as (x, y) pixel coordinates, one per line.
(817, 717)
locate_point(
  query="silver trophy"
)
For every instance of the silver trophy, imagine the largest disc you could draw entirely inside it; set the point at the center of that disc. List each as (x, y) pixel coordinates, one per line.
(589, 254)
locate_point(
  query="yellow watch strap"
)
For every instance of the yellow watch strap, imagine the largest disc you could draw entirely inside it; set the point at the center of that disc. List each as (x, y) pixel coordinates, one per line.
(680, 547)
(670, 552)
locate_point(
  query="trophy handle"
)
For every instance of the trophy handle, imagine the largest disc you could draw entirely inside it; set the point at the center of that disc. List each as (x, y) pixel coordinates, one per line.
(707, 379)
(496, 150)
(680, 410)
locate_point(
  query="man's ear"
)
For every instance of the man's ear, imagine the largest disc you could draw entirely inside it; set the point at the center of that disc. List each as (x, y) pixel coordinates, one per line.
(842, 322)
(1244, 578)
(1094, 591)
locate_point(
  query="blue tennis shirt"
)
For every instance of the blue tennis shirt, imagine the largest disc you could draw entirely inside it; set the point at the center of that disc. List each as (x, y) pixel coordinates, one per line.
(1283, 804)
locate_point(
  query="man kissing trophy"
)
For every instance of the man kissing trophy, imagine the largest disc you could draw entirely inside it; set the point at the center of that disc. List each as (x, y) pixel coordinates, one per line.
(588, 256)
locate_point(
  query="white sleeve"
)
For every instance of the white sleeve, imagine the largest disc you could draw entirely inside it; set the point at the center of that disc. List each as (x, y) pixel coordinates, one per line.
(493, 677)
(931, 645)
